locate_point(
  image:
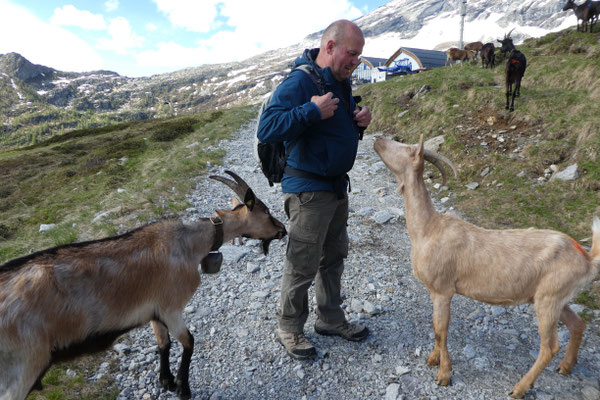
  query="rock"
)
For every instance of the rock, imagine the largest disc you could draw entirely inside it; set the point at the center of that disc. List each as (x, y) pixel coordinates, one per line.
(568, 174)
(472, 185)
(392, 391)
(381, 217)
(434, 143)
(47, 227)
(590, 393)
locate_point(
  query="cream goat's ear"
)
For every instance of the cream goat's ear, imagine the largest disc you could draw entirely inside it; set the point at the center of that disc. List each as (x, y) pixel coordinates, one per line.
(420, 147)
(235, 202)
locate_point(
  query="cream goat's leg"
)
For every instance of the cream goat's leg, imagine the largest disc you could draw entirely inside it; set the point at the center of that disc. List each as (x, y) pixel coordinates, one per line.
(576, 327)
(548, 328)
(441, 321)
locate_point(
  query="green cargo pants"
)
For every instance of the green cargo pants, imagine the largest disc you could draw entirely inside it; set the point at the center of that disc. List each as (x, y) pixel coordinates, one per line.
(317, 246)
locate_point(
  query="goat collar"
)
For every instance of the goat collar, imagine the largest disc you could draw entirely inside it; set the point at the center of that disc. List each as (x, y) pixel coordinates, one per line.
(218, 224)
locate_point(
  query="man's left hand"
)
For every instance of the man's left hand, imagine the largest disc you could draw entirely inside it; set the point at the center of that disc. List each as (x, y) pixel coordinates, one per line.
(362, 116)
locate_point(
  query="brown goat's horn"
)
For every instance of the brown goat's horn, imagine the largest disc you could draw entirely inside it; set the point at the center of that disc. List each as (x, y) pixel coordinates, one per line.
(240, 187)
(436, 159)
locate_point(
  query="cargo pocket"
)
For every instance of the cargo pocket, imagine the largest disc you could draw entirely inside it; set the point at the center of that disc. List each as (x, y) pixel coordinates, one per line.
(303, 252)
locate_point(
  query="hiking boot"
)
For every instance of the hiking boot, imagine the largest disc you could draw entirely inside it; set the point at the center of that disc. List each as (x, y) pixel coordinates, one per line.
(296, 344)
(347, 330)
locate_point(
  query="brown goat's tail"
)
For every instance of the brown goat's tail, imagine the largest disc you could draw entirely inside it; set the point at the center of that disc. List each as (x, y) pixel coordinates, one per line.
(595, 250)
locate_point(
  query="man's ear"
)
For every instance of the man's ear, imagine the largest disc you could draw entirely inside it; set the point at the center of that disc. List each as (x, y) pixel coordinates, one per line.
(330, 46)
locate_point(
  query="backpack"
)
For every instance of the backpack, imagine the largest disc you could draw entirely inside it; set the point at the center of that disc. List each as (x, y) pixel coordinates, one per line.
(272, 157)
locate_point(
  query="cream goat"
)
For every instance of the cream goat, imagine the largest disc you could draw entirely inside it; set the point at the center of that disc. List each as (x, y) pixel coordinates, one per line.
(505, 267)
(70, 300)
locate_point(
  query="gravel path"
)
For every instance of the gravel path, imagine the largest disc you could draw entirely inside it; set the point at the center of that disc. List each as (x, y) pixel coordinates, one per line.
(232, 316)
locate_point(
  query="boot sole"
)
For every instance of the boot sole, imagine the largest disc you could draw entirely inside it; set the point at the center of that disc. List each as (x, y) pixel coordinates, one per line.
(352, 339)
(297, 356)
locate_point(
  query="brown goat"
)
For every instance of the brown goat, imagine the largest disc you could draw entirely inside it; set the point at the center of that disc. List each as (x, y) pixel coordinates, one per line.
(475, 47)
(488, 55)
(454, 54)
(506, 267)
(59, 303)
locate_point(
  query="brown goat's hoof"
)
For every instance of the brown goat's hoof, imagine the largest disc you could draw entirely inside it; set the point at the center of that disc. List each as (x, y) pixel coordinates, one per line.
(184, 393)
(168, 384)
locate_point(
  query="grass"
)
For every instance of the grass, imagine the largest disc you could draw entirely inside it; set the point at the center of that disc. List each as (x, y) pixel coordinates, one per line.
(71, 381)
(134, 172)
(555, 122)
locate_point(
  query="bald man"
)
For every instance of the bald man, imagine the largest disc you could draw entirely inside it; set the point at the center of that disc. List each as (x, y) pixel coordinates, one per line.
(326, 130)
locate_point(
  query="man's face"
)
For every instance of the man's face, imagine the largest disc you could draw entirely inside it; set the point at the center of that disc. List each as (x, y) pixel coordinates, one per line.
(345, 56)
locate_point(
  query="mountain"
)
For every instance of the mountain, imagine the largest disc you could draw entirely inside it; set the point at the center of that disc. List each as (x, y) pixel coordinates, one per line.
(38, 101)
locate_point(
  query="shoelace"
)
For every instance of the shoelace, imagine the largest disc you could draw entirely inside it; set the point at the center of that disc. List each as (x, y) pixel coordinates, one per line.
(298, 338)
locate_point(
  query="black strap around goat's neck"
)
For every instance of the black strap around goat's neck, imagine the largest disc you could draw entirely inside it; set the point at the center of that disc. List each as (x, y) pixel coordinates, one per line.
(218, 224)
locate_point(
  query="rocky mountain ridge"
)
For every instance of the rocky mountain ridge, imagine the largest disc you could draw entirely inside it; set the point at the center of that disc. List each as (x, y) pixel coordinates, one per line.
(32, 94)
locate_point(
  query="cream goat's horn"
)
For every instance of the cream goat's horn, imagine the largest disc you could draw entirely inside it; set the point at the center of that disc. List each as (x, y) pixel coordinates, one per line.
(436, 159)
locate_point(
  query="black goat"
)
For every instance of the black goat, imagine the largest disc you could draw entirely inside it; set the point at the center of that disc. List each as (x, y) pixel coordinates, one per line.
(488, 56)
(507, 44)
(587, 12)
(515, 69)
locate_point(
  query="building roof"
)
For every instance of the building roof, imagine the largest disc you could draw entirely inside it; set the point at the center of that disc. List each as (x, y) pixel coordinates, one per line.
(424, 58)
(373, 62)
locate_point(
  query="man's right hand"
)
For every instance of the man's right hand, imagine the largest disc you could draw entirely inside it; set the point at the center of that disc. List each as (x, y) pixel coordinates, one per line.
(327, 105)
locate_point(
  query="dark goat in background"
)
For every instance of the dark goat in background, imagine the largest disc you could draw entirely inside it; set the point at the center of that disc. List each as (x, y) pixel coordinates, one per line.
(515, 69)
(587, 12)
(507, 43)
(488, 56)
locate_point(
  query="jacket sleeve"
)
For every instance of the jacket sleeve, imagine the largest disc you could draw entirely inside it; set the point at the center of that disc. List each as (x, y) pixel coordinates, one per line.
(290, 111)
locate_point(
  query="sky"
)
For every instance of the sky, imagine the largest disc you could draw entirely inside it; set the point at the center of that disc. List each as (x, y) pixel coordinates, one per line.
(146, 37)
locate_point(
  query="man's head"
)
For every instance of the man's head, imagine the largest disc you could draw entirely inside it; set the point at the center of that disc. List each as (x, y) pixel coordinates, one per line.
(341, 45)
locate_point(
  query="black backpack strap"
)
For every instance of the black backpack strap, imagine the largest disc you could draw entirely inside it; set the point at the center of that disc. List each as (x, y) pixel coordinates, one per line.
(311, 71)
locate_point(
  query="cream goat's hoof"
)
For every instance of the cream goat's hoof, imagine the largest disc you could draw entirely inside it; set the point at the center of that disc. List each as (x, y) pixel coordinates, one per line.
(433, 359)
(445, 381)
(517, 394)
(564, 370)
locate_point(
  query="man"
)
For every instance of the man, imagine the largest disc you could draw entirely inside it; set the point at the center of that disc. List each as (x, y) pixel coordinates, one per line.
(326, 130)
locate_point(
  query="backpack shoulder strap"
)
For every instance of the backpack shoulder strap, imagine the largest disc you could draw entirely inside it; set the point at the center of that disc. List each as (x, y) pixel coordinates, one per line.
(311, 71)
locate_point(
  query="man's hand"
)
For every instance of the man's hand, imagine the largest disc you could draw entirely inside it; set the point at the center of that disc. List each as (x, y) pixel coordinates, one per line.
(327, 105)
(362, 116)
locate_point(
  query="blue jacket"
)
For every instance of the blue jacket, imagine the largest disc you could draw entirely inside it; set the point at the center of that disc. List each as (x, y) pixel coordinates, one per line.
(326, 147)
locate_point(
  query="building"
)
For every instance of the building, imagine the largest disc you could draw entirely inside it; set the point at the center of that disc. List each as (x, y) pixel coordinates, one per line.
(420, 59)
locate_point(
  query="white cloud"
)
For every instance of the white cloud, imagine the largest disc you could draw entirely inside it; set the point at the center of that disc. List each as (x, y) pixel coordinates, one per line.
(257, 26)
(193, 15)
(151, 27)
(283, 23)
(43, 43)
(71, 16)
(111, 5)
(123, 39)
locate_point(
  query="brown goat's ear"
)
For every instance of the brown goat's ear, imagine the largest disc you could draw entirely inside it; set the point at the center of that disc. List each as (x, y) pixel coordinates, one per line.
(249, 199)
(234, 202)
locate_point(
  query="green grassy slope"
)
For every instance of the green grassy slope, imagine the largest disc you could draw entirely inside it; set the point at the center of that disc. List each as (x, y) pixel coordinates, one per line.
(134, 171)
(556, 121)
